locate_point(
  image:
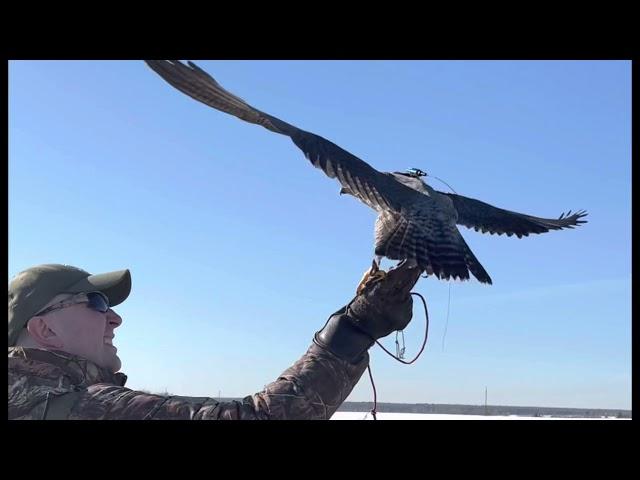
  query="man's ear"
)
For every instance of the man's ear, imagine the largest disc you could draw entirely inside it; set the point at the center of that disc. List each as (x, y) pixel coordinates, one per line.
(42, 334)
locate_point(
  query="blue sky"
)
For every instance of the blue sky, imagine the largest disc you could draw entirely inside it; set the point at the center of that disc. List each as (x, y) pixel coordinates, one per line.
(239, 249)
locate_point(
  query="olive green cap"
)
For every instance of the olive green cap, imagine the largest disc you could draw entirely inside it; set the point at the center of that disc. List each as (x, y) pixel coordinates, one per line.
(32, 289)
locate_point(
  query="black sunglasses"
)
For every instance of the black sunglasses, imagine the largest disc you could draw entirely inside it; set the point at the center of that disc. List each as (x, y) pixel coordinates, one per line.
(97, 301)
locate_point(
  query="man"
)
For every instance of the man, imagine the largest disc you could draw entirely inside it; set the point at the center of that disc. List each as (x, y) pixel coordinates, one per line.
(63, 364)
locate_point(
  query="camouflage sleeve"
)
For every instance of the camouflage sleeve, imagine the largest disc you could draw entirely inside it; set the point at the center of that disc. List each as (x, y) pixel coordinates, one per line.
(311, 389)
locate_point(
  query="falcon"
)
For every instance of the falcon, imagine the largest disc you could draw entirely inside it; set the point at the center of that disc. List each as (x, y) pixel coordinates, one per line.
(415, 223)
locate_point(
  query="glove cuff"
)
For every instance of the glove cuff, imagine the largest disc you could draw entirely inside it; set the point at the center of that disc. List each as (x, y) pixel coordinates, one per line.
(344, 339)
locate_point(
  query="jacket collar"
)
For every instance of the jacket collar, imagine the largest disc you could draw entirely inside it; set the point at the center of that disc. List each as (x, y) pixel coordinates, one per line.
(81, 372)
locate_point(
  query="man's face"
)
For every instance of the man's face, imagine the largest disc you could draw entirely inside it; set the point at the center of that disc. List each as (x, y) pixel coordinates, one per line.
(85, 332)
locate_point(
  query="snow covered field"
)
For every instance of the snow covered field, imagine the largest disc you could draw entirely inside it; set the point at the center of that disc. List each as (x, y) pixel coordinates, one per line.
(436, 416)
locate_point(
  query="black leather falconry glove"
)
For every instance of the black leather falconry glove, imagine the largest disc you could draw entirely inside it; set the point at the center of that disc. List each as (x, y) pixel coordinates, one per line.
(382, 307)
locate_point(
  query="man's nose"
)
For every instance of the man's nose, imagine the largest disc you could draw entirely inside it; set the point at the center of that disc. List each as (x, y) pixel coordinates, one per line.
(114, 320)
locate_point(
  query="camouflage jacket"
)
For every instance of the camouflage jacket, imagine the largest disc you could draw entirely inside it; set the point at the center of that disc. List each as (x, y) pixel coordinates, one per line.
(312, 388)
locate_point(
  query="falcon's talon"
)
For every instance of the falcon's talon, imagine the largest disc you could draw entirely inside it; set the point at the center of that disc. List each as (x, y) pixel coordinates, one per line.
(373, 275)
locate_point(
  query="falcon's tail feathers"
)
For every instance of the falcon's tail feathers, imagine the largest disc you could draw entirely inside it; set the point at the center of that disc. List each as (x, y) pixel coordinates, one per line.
(474, 264)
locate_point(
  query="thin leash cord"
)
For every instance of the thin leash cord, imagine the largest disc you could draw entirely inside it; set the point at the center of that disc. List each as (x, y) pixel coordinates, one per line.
(426, 334)
(375, 396)
(444, 183)
(449, 300)
(424, 343)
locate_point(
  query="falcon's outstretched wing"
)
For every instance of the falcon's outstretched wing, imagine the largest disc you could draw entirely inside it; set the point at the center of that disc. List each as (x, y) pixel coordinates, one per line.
(377, 190)
(485, 218)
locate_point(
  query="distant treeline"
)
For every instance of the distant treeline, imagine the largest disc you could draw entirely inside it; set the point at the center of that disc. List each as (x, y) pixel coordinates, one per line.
(454, 409)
